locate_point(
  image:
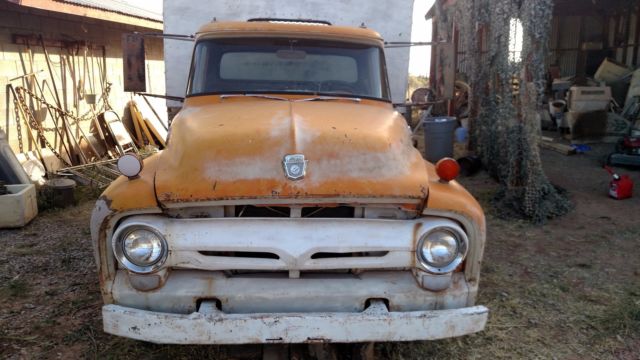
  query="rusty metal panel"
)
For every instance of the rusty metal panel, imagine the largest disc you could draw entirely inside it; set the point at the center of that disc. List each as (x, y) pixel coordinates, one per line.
(445, 70)
(133, 63)
(567, 60)
(555, 33)
(569, 31)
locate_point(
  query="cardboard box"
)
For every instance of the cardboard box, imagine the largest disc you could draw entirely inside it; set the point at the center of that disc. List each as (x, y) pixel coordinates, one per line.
(610, 71)
(589, 98)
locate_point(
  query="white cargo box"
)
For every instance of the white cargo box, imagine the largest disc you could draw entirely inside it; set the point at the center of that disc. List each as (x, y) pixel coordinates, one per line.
(589, 98)
(19, 206)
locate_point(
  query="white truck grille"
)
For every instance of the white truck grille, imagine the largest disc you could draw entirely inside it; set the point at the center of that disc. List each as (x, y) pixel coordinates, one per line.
(289, 244)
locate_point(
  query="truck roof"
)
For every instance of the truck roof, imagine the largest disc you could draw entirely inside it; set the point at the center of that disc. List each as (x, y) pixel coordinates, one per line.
(276, 28)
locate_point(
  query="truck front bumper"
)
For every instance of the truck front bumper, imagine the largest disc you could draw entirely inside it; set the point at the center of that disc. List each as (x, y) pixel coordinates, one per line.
(211, 326)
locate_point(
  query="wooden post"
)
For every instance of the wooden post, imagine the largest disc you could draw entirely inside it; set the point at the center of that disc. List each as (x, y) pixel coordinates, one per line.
(627, 30)
(636, 40)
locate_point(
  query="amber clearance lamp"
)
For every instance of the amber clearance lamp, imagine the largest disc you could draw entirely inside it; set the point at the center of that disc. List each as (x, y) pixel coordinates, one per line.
(447, 169)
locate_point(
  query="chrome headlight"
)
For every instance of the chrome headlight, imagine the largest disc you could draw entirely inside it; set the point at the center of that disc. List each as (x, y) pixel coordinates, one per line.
(140, 249)
(442, 249)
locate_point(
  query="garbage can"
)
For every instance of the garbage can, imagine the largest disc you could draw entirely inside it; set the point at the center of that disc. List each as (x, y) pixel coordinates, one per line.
(438, 137)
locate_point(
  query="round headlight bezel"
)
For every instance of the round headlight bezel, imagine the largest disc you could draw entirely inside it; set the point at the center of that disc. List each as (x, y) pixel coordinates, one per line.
(462, 248)
(123, 258)
(130, 165)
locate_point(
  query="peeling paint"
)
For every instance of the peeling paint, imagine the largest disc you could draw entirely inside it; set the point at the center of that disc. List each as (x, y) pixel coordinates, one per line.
(361, 149)
(373, 324)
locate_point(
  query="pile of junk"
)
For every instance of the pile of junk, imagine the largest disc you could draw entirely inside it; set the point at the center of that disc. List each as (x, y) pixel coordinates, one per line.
(61, 134)
(50, 172)
(601, 109)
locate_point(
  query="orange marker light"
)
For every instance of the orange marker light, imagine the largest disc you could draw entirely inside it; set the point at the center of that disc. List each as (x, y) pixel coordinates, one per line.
(447, 169)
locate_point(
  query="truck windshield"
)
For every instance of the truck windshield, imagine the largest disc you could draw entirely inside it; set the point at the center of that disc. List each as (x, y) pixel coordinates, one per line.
(297, 66)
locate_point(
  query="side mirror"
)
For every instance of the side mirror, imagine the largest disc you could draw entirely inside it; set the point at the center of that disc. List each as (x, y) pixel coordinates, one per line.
(133, 63)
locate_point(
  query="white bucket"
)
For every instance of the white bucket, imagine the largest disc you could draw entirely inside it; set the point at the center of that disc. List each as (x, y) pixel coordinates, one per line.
(556, 108)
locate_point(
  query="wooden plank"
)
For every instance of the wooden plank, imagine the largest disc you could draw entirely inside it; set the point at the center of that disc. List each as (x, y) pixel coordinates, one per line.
(445, 73)
(145, 130)
(155, 132)
(560, 148)
(133, 109)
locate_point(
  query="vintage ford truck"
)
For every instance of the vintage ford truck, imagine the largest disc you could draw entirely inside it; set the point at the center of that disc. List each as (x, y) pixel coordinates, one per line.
(289, 206)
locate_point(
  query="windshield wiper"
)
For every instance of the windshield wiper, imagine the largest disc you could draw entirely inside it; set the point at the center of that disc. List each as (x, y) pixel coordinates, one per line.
(254, 95)
(315, 98)
(328, 98)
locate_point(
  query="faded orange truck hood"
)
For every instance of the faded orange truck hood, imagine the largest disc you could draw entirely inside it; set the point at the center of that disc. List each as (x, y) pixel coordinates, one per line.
(233, 149)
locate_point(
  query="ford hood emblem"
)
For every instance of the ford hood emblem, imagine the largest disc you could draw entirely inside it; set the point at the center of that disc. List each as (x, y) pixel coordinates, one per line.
(295, 166)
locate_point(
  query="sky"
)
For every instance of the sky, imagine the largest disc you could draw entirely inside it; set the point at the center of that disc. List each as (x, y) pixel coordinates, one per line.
(420, 57)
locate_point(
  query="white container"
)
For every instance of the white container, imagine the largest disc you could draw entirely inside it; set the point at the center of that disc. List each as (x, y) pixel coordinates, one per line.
(19, 206)
(464, 122)
(611, 71)
(589, 98)
(557, 107)
(10, 170)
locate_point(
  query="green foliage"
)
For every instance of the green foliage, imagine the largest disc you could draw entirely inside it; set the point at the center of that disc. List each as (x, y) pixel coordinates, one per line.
(416, 82)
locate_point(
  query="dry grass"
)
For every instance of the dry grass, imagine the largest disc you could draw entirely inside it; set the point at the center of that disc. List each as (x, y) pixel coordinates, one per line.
(568, 290)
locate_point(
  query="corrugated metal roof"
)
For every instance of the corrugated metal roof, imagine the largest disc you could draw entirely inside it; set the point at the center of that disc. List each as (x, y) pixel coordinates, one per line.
(141, 9)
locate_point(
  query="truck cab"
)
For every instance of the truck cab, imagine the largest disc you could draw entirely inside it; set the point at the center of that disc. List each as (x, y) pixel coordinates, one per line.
(289, 205)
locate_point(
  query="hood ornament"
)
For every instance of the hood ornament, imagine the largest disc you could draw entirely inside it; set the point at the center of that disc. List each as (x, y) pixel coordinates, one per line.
(295, 166)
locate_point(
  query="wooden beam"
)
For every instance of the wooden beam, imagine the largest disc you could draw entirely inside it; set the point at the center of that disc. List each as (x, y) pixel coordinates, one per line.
(627, 30)
(432, 63)
(31, 39)
(456, 39)
(581, 61)
(559, 148)
(606, 24)
(636, 40)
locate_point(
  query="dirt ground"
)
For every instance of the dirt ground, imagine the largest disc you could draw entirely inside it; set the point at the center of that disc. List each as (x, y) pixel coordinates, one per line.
(568, 289)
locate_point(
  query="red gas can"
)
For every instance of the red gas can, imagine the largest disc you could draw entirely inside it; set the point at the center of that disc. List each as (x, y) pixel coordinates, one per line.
(620, 187)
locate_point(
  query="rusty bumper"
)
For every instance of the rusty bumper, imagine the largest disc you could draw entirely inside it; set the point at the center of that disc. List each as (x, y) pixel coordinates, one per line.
(211, 326)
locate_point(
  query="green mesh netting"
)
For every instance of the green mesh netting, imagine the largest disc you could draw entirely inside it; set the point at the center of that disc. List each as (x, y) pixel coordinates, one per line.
(505, 128)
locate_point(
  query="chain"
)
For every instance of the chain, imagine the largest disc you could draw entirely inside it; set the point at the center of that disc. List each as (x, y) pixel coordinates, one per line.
(105, 97)
(34, 123)
(16, 110)
(74, 119)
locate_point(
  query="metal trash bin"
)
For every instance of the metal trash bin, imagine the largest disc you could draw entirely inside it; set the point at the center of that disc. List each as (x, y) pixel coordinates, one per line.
(438, 137)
